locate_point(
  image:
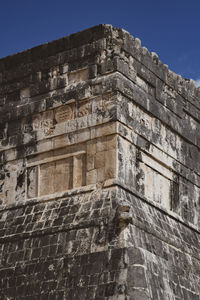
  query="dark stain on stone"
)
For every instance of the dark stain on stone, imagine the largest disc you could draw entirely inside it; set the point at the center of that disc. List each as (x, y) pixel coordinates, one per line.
(174, 196)
(147, 145)
(20, 180)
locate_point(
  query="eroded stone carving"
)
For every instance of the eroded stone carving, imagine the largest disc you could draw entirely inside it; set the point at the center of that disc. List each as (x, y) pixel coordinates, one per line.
(64, 113)
(83, 109)
(43, 122)
(168, 92)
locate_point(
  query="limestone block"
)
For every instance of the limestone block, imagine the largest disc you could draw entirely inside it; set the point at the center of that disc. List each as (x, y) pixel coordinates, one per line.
(71, 138)
(97, 104)
(92, 120)
(91, 147)
(101, 144)
(71, 126)
(91, 177)
(45, 145)
(100, 159)
(84, 135)
(126, 154)
(10, 154)
(90, 162)
(79, 176)
(78, 76)
(105, 129)
(60, 141)
(58, 129)
(63, 174)
(110, 164)
(46, 179)
(142, 83)
(93, 133)
(156, 186)
(101, 174)
(32, 182)
(154, 164)
(111, 142)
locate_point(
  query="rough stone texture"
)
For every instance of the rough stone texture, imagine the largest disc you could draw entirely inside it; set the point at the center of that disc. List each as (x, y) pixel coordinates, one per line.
(99, 173)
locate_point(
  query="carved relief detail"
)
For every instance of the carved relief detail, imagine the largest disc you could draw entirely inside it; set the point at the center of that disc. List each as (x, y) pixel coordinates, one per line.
(146, 121)
(64, 113)
(83, 109)
(46, 122)
(43, 122)
(168, 92)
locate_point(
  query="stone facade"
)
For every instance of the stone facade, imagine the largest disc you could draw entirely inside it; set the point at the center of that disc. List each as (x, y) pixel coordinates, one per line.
(99, 173)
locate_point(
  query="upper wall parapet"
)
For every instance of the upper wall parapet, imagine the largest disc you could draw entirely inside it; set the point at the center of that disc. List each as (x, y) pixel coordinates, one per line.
(30, 79)
(121, 40)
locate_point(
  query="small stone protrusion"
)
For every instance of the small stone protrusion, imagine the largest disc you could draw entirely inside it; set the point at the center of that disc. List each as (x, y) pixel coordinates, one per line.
(144, 50)
(124, 216)
(25, 93)
(155, 57)
(138, 42)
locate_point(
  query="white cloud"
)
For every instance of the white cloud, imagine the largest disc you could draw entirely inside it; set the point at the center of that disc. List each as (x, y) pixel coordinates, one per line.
(197, 82)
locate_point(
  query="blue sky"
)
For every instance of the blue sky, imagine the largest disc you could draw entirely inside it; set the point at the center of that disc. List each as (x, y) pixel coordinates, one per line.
(169, 28)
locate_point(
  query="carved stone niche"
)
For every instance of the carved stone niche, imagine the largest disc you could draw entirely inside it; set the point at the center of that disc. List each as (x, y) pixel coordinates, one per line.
(55, 173)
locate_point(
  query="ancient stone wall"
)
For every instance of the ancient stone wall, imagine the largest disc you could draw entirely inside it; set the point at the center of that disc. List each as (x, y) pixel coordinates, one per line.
(99, 173)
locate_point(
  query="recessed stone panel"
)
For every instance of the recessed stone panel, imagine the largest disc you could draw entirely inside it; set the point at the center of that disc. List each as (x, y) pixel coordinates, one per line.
(156, 186)
(55, 173)
(55, 176)
(43, 123)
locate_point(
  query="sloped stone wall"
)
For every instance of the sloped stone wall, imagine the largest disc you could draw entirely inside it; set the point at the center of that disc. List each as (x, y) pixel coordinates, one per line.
(99, 172)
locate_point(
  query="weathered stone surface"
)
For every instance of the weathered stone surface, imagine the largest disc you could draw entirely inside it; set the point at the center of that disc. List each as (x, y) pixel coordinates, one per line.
(99, 173)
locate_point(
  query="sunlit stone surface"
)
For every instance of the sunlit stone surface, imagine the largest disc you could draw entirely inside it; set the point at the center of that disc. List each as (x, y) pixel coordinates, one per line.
(99, 173)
